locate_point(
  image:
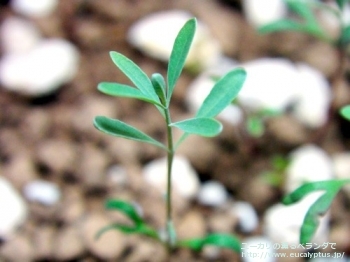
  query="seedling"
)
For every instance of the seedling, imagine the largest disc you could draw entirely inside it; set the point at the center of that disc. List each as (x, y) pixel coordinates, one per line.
(158, 92)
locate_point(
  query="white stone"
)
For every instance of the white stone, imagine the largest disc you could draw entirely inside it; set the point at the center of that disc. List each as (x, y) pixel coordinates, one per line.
(282, 223)
(259, 13)
(341, 167)
(13, 208)
(18, 35)
(155, 35)
(184, 178)
(314, 97)
(248, 219)
(37, 8)
(308, 163)
(42, 70)
(271, 84)
(117, 175)
(257, 249)
(43, 192)
(212, 193)
(275, 83)
(341, 164)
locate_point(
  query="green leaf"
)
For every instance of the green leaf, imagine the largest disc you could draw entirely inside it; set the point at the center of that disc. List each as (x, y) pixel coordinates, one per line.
(118, 128)
(318, 208)
(345, 36)
(179, 54)
(208, 127)
(219, 240)
(126, 208)
(135, 74)
(141, 230)
(281, 25)
(116, 89)
(222, 94)
(341, 3)
(139, 227)
(345, 112)
(160, 87)
(302, 8)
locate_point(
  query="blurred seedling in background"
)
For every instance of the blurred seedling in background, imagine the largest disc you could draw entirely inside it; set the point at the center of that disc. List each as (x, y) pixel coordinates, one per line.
(275, 176)
(308, 22)
(158, 92)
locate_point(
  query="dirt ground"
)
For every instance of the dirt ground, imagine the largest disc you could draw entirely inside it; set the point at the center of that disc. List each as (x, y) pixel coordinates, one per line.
(52, 137)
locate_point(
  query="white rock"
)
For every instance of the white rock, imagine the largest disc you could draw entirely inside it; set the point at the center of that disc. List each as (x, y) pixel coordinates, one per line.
(257, 249)
(13, 208)
(271, 84)
(37, 8)
(184, 178)
(259, 12)
(212, 193)
(18, 35)
(341, 166)
(282, 223)
(42, 70)
(43, 192)
(117, 175)
(341, 163)
(309, 163)
(248, 219)
(274, 83)
(314, 97)
(155, 35)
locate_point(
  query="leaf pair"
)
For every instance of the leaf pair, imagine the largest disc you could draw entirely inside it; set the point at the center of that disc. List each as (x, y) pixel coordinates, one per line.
(139, 226)
(308, 25)
(318, 208)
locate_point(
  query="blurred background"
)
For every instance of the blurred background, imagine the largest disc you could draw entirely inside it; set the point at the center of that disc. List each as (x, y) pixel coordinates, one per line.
(57, 170)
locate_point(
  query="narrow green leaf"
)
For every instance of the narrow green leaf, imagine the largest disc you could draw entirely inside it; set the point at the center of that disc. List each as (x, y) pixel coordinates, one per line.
(118, 128)
(116, 89)
(341, 3)
(282, 25)
(302, 8)
(159, 86)
(135, 74)
(318, 208)
(141, 230)
(179, 54)
(126, 208)
(312, 217)
(345, 36)
(208, 127)
(345, 112)
(219, 240)
(303, 190)
(222, 94)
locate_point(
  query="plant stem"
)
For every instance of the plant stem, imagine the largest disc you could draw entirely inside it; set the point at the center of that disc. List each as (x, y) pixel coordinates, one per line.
(170, 156)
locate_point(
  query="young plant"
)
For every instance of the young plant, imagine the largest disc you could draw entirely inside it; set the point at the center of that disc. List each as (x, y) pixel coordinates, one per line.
(158, 92)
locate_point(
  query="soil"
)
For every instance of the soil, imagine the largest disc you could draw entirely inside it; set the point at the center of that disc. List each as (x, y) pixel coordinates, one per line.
(52, 137)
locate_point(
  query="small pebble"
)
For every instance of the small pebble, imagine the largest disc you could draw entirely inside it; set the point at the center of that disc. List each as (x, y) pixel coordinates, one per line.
(212, 193)
(37, 8)
(13, 208)
(184, 178)
(42, 192)
(248, 219)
